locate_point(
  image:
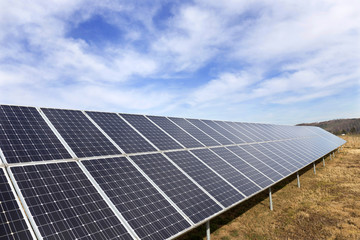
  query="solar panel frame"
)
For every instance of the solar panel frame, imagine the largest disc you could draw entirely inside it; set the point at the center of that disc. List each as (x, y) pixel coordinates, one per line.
(12, 201)
(210, 131)
(257, 176)
(83, 137)
(240, 134)
(110, 213)
(175, 132)
(206, 177)
(124, 135)
(223, 131)
(38, 142)
(168, 185)
(194, 131)
(149, 196)
(152, 132)
(227, 171)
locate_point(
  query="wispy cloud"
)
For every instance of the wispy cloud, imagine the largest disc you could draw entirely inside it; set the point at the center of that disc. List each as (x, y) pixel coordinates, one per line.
(216, 59)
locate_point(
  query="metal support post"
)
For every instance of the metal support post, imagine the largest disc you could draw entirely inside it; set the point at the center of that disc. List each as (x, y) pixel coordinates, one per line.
(324, 162)
(208, 230)
(298, 179)
(270, 198)
(333, 154)
(330, 156)
(314, 168)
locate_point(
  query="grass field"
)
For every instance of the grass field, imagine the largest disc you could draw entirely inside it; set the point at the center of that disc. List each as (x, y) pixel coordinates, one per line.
(327, 206)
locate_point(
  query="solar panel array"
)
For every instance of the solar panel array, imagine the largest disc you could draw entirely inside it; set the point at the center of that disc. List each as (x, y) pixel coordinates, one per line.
(97, 175)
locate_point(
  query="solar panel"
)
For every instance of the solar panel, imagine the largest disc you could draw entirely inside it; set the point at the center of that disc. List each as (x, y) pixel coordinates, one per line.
(243, 166)
(195, 132)
(255, 134)
(83, 137)
(26, 137)
(236, 178)
(177, 133)
(151, 132)
(12, 220)
(240, 134)
(144, 208)
(223, 131)
(284, 163)
(206, 178)
(181, 190)
(280, 153)
(209, 131)
(242, 128)
(119, 131)
(282, 146)
(65, 205)
(256, 163)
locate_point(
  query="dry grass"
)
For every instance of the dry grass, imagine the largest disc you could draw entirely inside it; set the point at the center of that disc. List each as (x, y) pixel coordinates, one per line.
(327, 206)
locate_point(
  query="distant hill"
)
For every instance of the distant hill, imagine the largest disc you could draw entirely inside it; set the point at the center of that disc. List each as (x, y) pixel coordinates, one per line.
(338, 126)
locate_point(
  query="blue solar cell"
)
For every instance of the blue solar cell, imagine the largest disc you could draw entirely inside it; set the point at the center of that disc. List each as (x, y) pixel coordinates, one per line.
(144, 208)
(26, 137)
(209, 131)
(151, 132)
(65, 205)
(236, 178)
(12, 222)
(177, 133)
(180, 189)
(206, 178)
(83, 137)
(195, 132)
(122, 134)
(244, 167)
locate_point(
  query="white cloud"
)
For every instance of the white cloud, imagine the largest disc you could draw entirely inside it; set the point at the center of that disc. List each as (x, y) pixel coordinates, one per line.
(266, 52)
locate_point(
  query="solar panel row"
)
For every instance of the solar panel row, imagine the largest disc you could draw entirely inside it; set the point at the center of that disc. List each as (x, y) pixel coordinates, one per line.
(149, 194)
(13, 224)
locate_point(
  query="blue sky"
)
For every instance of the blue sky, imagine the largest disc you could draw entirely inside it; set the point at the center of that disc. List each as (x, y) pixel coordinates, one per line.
(277, 61)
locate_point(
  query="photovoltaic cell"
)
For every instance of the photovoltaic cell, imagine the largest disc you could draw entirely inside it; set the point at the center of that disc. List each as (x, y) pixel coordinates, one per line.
(144, 208)
(223, 131)
(228, 172)
(26, 137)
(151, 132)
(211, 132)
(65, 205)
(256, 163)
(173, 130)
(244, 167)
(12, 223)
(119, 131)
(195, 132)
(83, 137)
(180, 189)
(206, 178)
